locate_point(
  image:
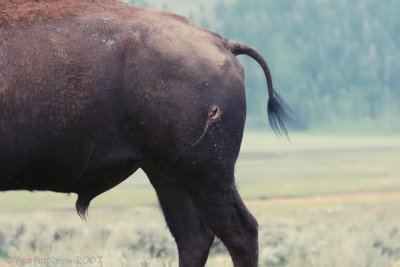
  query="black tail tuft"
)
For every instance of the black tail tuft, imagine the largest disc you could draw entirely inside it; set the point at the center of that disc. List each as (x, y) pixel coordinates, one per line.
(279, 114)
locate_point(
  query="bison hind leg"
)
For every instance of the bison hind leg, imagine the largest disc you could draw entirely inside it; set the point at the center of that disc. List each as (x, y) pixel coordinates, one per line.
(82, 206)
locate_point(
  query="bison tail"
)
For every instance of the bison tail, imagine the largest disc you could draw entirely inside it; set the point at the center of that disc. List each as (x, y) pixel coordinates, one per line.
(278, 112)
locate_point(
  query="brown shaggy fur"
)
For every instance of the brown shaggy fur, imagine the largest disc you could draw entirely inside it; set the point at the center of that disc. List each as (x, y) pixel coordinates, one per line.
(92, 90)
(28, 12)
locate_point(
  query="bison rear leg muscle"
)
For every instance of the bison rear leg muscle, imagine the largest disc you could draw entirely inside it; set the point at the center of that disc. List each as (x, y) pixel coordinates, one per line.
(227, 216)
(187, 225)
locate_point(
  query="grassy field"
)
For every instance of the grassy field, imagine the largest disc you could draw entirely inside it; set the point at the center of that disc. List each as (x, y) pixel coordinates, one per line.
(320, 201)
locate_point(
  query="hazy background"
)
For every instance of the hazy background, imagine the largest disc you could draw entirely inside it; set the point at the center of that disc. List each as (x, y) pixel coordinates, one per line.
(337, 63)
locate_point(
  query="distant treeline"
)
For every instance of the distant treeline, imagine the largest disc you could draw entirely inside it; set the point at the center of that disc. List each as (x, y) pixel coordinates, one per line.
(337, 63)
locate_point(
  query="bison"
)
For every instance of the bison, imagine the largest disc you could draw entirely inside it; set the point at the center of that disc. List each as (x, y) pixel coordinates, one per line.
(93, 90)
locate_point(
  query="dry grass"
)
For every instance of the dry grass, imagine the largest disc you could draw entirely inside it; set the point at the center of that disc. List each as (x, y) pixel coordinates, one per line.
(336, 230)
(319, 202)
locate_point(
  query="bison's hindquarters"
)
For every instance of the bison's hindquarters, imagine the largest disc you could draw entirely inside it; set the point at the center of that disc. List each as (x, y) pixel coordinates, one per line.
(191, 112)
(195, 185)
